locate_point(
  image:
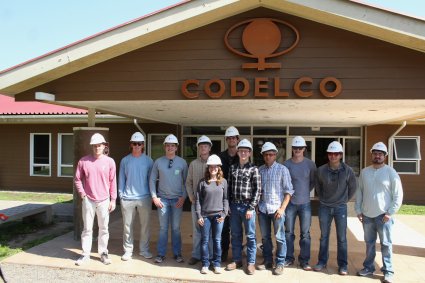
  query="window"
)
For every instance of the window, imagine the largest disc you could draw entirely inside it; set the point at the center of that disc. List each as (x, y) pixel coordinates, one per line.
(65, 155)
(156, 146)
(406, 155)
(40, 154)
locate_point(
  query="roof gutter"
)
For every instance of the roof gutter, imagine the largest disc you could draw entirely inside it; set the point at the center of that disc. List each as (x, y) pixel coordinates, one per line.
(390, 142)
(137, 125)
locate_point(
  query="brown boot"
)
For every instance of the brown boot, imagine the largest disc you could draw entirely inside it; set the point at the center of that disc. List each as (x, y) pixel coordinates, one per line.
(233, 265)
(250, 269)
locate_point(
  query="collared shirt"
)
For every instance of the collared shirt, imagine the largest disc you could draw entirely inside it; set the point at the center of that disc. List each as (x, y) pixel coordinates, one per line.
(380, 191)
(195, 173)
(275, 183)
(244, 184)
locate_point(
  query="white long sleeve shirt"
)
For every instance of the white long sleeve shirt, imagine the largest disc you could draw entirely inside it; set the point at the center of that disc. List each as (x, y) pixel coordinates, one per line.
(379, 191)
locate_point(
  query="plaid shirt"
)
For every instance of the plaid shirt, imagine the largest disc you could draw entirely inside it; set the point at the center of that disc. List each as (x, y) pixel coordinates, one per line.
(276, 182)
(244, 184)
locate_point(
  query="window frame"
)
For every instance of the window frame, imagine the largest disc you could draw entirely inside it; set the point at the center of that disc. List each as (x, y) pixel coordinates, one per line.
(395, 159)
(60, 165)
(32, 164)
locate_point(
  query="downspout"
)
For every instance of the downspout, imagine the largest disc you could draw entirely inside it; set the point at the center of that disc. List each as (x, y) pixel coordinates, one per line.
(140, 129)
(390, 142)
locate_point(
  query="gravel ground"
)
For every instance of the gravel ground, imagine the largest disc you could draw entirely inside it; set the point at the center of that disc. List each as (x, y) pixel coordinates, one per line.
(20, 273)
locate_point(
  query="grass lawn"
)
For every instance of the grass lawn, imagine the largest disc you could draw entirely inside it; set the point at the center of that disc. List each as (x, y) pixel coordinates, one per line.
(37, 197)
(412, 209)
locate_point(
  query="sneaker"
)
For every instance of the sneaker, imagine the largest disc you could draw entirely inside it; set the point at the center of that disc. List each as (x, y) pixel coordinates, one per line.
(204, 270)
(365, 272)
(343, 271)
(306, 267)
(217, 269)
(388, 278)
(159, 259)
(233, 265)
(250, 269)
(278, 270)
(179, 258)
(288, 263)
(146, 254)
(264, 266)
(105, 259)
(126, 256)
(82, 260)
(193, 261)
(319, 267)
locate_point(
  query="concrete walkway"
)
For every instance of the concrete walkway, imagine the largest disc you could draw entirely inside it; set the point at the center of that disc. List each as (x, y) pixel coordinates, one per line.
(60, 254)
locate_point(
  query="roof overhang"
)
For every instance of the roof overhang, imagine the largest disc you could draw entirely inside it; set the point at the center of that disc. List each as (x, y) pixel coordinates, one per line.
(187, 15)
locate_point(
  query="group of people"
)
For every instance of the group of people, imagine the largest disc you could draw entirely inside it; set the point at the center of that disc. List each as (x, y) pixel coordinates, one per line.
(227, 192)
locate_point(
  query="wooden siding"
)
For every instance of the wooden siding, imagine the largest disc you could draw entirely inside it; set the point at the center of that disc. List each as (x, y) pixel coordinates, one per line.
(15, 153)
(413, 185)
(368, 68)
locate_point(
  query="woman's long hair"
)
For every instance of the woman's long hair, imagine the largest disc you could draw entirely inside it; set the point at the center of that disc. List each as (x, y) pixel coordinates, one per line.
(219, 175)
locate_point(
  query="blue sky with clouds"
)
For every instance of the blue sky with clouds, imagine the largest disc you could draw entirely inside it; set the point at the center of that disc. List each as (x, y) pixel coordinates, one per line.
(30, 28)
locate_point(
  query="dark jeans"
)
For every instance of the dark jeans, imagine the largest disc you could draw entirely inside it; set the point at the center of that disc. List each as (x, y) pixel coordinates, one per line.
(326, 214)
(303, 211)
(211, 226)
(225, 236)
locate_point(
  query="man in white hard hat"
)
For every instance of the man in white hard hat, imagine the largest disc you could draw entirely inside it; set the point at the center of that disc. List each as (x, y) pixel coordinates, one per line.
(169, 196)
(276, 191)
(303, 175)
(336, 185)
(244, 185)
(95, 181)
(133, 190)
(195, 173)
(228, 157)
(378, 198)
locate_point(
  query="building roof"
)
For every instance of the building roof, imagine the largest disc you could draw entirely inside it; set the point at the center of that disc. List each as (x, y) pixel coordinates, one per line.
(8, 106)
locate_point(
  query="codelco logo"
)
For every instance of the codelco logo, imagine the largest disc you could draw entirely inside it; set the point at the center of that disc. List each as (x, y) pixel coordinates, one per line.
(260, 39)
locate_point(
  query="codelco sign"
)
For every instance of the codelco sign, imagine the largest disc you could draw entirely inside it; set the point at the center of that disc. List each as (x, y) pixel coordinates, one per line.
(261, 39)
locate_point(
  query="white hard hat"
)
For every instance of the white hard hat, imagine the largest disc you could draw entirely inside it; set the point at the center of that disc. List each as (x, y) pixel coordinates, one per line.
(380, 146)
(335, 147)
(214, 160)
(171, 139)
(267, 147)
(231, 132)
(137, 137)
(298, 141)
(244, 143)
(204, 139)
(97, 139)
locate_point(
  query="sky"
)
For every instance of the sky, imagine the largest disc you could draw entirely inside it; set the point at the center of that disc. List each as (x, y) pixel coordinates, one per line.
(29, 28)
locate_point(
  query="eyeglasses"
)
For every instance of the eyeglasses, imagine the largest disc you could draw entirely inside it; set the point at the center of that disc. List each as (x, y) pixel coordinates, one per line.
(232, 138)
(297, 147)
(334, 153)
(170, 163)
(137, 143)
(269, 154)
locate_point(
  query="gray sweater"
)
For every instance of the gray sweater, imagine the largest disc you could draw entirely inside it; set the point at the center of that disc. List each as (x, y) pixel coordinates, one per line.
(335, 187)
(211, 199)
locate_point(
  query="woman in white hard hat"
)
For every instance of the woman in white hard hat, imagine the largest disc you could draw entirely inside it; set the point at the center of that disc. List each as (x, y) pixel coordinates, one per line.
(211, 208)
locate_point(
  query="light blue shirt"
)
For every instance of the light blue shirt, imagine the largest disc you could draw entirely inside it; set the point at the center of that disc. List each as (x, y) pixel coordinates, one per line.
(171, 180)
(379, 191)
(133, 181)
(275, 183)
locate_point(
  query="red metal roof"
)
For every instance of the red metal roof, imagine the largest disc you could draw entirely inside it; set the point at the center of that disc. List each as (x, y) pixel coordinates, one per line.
(8, 106)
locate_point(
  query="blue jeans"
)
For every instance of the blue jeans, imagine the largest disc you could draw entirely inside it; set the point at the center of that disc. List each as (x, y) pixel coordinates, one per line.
(196, 236)
(237, 218)
(266, 220)
(326, 214)
(211, 227)
(169, 215)
(303, 211)
(372, 227)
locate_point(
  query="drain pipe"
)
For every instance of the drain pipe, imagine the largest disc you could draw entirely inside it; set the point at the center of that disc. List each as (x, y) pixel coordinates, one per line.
(390, 142)
(140, 129)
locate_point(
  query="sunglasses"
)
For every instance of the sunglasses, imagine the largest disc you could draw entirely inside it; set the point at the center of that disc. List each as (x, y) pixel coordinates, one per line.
(297, 147)
(137, 143)
(334, 153)
(170, 163)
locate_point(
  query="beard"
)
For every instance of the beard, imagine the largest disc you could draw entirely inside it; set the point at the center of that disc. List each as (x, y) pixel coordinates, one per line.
(378, 161)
